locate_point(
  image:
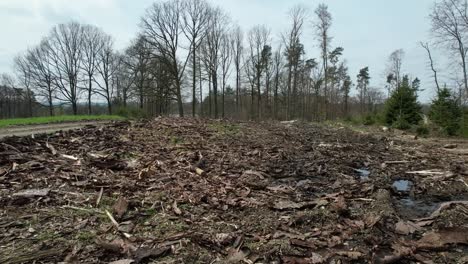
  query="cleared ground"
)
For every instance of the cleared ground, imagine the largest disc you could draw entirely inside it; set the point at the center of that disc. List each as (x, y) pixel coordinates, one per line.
(187, 191)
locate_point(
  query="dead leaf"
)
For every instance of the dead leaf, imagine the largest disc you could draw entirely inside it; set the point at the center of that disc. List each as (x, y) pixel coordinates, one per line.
(406, 228)
(176, 209)
(123, 261)
(443, 237)
(236, 256)
(354, 255)
(120, 207)
(302, 243)
(149, 253)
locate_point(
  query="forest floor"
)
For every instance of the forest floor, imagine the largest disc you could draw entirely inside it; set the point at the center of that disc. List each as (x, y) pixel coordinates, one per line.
(177, 190)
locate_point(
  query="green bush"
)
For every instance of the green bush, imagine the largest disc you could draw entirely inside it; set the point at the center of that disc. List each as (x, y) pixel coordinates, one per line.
(369, 120)
(402, 108)
(422, 130)
(402, 124)
(446, 113)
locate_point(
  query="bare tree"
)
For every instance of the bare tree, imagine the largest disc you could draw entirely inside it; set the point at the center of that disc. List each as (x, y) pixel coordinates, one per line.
(107, 67)
(125, 79)
(195, 17)
(294, 50)
(431, 62)
(277, 66)
(92, 46)
(161, 28)
(66, 50)
(449, 28)
(237, 52)
(259, 37)
(42, 75)
(23, 72)
(394, 70)
(226, 60)
(218, 23)
(322, 26)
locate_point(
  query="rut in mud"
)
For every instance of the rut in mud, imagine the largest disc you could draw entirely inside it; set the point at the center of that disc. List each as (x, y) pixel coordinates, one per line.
(188, 191)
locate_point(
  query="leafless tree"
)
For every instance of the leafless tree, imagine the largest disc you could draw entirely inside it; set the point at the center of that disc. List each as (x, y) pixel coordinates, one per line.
(107, 67)
(322, 26)
(217, 26)
(162, 27)
(237, 52)
(195, 17)
(124, 79)
(138, 62)
(259, 37)
(226, 60)
(294, 50)
(394, 70)
(92, 46)
(450, 28)
(277, 66)
(431, 62)
(42, 74)
(66, 50)
(23, 72)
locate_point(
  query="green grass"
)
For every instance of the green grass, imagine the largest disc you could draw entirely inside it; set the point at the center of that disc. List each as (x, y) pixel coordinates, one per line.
(56, 119)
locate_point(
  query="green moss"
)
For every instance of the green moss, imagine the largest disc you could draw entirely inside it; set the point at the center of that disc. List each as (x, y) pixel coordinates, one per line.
(85, 236)
(225, 129)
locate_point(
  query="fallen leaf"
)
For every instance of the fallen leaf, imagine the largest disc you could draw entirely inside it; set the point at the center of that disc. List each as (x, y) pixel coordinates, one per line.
(70, 157)
(237, 256)
(176, 209)
(441, 238)
(354, 255)
(120, 207)
(123, 261)
(149, 253)
(406, 228)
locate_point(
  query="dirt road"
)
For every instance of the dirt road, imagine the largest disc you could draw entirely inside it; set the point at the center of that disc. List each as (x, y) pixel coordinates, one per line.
(28, 130)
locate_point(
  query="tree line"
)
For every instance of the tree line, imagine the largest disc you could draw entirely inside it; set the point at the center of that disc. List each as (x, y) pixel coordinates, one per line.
(190, 58)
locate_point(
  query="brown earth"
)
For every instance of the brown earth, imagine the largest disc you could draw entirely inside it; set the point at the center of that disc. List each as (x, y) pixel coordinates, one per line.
(188, 191)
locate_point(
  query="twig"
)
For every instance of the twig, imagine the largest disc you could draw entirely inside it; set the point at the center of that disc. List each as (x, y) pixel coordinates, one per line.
(98, 201)
(116, 224)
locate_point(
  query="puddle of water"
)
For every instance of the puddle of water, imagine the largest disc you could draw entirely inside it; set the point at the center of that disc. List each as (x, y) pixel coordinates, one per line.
(402, 185)
(363, 173)
(410, 208)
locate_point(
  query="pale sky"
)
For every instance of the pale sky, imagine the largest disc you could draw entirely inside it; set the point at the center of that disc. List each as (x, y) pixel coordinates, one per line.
(368, 30)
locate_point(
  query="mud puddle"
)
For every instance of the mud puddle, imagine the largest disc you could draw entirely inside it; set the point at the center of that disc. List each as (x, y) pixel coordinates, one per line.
(363, 173)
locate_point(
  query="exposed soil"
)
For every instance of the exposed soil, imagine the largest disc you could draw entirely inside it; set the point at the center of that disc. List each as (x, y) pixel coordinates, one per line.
(27, 130)
(188, 191)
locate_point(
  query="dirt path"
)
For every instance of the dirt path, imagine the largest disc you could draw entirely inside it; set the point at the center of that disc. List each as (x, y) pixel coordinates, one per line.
(28, 130)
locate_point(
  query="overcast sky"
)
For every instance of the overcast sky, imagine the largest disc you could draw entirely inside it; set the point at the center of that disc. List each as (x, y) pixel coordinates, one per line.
(368, 30)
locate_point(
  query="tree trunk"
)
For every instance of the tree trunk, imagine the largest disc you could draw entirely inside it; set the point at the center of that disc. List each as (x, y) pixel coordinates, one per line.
(215, 94)
(180, 104)
(194, 88)
(90, 87)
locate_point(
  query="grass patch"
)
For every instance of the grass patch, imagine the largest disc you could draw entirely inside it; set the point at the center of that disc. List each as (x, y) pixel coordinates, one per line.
(225, 129)
(56, 119)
